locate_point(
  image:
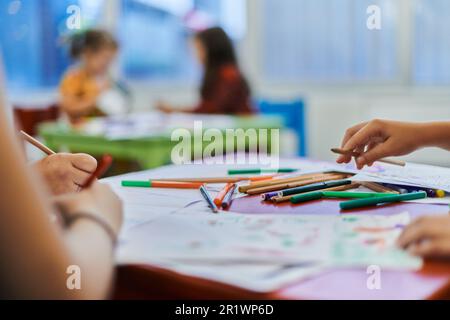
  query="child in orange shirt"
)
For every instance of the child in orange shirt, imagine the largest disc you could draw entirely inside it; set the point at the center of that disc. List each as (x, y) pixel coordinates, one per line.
(82, 85)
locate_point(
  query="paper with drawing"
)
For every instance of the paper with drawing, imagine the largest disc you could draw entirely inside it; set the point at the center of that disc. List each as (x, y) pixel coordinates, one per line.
(336, 240)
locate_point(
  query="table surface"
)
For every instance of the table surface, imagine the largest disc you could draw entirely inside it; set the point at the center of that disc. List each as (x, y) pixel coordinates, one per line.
(432, 282)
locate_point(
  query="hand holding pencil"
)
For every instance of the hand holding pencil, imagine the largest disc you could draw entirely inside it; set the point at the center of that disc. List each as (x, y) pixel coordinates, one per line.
(372, 141)
(65, 172)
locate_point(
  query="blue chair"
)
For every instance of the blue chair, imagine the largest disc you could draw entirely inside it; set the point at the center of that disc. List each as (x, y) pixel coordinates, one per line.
(293, 113)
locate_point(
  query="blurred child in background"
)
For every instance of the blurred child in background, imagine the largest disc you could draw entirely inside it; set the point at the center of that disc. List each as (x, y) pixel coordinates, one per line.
(224, 89)
(83, 85)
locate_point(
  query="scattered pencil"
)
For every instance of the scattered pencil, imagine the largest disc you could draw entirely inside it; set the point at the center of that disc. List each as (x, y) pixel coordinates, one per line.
(226, 203)
(341, 188)
(218, 179)
(37, 144)
(300, 183)
(161, 184)
(208, 199)
(378, 187)
(221, 195)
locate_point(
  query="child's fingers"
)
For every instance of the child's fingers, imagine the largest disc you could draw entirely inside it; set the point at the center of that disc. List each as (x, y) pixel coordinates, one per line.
(378, 152)
(351, 132)
(422, 228)
(348, 135)
(362, 137)
(83, 162)
(436, 248)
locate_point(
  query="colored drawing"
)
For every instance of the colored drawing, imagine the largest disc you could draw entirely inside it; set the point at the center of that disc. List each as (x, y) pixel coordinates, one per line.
(333, 240)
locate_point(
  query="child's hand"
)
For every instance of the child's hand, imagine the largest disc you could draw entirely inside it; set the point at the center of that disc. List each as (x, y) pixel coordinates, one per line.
(378, 139)
(428, 237)
(64, 173)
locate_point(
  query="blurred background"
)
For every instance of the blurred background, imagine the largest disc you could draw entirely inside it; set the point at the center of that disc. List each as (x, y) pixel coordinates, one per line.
(317, 51)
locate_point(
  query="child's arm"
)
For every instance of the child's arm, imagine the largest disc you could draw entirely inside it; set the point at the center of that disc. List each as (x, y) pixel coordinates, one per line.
(35, 252)
(382, 138)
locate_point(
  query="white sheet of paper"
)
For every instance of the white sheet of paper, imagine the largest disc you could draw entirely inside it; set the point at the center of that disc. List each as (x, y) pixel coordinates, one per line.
(412, 174)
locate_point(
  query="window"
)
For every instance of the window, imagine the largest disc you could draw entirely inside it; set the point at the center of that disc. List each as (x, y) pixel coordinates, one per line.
(154, 33)
(31, 37)
(431, 54)
(329, 41)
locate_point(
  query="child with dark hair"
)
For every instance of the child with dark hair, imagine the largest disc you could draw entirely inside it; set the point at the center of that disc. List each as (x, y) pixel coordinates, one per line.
(82, 85)
(224, 89)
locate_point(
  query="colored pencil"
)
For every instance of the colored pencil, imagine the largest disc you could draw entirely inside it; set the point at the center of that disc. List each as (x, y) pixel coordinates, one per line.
(313, 187)
(208, 199)
(260, 171)
(37, 144)
(221, 195)
(228, 198)
(218, 179)
(161, 184)
(103, 166)
(355, 154)
(377, 187)
(282, 186)
(341, 188)
(276, 181)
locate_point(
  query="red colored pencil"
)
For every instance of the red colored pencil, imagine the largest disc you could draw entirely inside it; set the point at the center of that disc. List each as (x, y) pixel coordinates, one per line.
(103, 166)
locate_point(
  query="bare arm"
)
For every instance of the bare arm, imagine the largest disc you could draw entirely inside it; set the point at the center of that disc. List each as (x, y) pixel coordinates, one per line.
(34, 250)
(436, 134)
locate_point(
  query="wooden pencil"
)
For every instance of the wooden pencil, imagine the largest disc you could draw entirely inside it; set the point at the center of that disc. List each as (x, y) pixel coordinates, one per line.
(355, 154)
(37, 144)
(218, 179)
(294, 184)
(276, 181)
(341, 188)
(377, 187)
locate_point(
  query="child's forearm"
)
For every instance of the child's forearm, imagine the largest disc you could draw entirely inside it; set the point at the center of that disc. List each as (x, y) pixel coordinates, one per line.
(435, 134)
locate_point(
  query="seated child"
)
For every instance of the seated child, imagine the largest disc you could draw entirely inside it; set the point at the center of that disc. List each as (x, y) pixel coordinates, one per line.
(83, 85)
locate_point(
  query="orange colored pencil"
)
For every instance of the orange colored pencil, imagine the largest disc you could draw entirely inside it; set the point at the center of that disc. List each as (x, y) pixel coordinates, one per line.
(176, 185)
(217, 179)
(221, 195)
